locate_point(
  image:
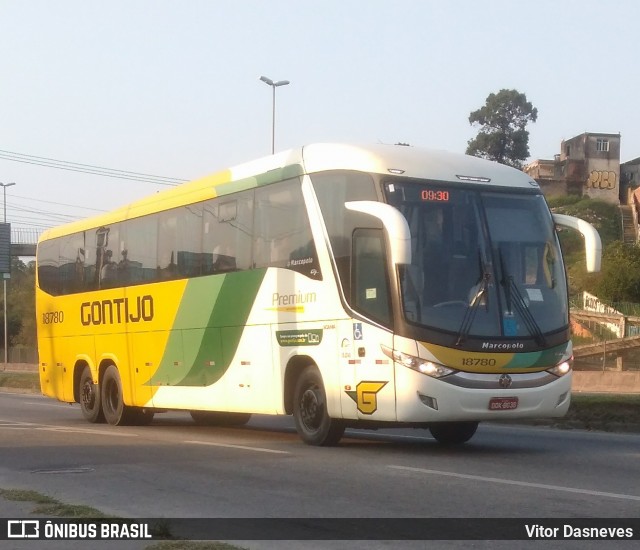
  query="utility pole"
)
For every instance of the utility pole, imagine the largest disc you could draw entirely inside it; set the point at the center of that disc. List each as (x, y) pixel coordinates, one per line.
(6, 274)
(273, 85)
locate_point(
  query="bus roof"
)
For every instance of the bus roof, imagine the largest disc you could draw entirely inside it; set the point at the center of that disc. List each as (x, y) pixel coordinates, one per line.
(413, 162)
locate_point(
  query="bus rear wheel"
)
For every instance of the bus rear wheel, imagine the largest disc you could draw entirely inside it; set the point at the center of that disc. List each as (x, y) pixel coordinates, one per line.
(115, 411)
(453, 433)
(312, 419)
(89, 397)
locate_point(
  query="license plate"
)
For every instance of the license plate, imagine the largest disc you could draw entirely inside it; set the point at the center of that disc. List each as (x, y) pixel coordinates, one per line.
(503, 403)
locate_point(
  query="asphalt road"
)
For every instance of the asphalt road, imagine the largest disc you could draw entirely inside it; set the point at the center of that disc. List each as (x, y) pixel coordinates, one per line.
(174, 468)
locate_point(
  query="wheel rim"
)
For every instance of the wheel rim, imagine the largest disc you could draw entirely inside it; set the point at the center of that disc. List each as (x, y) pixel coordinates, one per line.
(312, 408)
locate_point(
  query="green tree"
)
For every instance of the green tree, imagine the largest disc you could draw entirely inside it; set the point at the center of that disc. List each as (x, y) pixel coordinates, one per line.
(503, 136)
(619, 280)
(21, 325)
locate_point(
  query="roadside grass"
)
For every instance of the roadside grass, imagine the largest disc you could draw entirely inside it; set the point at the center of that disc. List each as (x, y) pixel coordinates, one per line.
(48, 506)
(600, 411)
(27, 381)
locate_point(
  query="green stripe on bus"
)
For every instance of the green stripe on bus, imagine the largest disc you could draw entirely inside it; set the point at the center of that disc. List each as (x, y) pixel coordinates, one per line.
(207, 329)
(537, 359)
(272, 176)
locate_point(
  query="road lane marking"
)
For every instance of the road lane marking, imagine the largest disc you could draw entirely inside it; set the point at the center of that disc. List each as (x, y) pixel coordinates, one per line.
(57, 405)
(66, 429)
(518, 483)
(242, 447)
(14, 425)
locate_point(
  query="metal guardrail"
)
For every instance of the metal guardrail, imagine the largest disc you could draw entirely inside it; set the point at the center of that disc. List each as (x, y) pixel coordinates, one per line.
(24, 240)
(25, 235)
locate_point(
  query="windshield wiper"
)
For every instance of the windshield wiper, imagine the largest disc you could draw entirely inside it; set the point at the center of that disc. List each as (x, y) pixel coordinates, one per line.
(482, 287)
(514, 298)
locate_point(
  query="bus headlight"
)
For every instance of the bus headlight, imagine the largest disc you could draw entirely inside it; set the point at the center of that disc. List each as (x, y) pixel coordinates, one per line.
(430, 368)
(561, 369)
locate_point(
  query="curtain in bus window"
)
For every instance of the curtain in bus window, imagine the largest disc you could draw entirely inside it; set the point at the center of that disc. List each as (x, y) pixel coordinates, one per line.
(282, 232)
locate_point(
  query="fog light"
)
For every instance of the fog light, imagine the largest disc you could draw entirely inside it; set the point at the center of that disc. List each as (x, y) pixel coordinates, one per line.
(562, 398)
(430, 402)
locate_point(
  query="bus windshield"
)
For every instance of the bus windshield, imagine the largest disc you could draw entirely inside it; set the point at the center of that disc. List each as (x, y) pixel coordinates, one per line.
(484, 262)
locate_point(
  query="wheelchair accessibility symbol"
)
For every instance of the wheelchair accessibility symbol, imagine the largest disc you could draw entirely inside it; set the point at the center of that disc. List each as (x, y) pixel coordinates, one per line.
(357, 331)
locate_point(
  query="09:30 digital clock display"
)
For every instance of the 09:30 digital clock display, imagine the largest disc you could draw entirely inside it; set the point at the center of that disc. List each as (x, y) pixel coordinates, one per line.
(436, 196)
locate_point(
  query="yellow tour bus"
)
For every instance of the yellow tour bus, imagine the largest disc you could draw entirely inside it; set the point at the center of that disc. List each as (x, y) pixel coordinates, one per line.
(348, 286)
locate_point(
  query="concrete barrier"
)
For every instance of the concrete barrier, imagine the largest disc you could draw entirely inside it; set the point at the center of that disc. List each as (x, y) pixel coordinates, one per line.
(18, 367)
(606, 381)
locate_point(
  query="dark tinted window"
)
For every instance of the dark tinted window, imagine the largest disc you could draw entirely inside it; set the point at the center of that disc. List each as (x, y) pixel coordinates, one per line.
(370, 292)
(215, 236)
(227, 233)
(333, 189)
(48, 260)
(140, 251)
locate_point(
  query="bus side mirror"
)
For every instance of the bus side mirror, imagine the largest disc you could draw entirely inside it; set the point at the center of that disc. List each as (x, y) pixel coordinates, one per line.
(592, 242)
(395, 224)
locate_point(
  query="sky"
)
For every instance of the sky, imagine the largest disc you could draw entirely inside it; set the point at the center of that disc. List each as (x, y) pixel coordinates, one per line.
(170, 88)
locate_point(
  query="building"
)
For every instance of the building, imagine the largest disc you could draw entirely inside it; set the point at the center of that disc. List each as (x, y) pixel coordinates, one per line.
(587, 165)
(630, 174)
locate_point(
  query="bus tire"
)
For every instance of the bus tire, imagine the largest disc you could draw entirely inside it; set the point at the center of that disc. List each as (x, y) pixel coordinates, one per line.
(313, 423)
(89, 397)
(453, 433)
(115, 411)
(215, 418)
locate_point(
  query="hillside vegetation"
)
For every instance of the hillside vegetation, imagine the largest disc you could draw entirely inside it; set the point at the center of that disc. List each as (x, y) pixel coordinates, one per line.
(614, 283)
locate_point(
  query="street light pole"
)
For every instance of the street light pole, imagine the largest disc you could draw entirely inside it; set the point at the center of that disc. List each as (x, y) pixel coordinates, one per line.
(273, 85)
(4, 280)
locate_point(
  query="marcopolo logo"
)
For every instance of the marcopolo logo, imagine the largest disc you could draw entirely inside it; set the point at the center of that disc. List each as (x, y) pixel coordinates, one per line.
(119, 310)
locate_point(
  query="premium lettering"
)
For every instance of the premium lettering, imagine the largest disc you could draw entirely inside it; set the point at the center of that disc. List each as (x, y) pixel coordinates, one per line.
(120, 310)
(278, 299)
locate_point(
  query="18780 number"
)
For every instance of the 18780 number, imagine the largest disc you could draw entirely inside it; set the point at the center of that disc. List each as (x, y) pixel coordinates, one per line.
(474, 362)
(51, 317)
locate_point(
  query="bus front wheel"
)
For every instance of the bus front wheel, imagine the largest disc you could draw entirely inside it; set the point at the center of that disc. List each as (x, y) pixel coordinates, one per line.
(453, 433)
(89, 397)
(312, 419)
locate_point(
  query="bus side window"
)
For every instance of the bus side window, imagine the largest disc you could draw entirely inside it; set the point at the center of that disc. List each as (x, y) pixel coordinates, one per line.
(48, 263)
(282, 231)
(71, 266)
(370, 292)
(227, 226)
(180, 242)
(141, 248)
